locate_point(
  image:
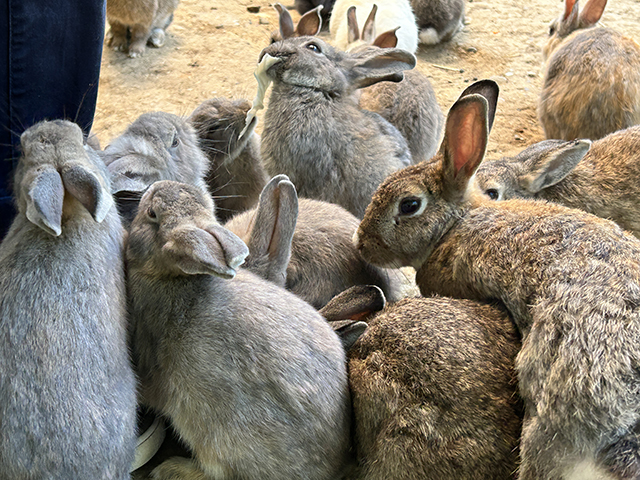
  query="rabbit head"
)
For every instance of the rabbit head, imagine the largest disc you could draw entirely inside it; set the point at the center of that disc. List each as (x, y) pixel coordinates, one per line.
(176, 233)
(572, 19)
(415, 207)
(55, 161)
(537, 167)
(309, 25)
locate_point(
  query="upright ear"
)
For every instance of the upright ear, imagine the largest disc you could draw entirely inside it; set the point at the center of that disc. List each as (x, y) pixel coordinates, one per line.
(592, 12)
(285, 21)
(553, 165)
(355, 303)
(570, 6)
(214, 251)
(353, 32)
(45, 196)
(388, 39)
(87, 188)
(489, 90)
(310, 23)
(372, 65)
(369, 29)
(465, 141)
(273, 228)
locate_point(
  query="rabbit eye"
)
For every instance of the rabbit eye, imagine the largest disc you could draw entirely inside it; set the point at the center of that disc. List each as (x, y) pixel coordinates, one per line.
(176, 141)
(314, 48)
(410, 205)
(552, 30)
(151, 214)
(493, 194)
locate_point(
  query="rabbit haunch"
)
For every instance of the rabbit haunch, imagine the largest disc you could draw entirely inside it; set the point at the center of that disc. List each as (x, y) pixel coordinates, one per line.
(570, 280)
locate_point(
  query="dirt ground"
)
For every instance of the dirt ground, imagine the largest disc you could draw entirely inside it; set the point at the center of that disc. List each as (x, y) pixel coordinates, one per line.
(212, 49)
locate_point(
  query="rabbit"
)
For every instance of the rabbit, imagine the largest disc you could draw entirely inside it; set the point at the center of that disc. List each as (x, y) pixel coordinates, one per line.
(305, 246)
(67, 388)
(310, 23)
(433, 387)
(569, 279)
(252, 378)
(156, 146)
(304, 6)
(236, 174)
(597, 178)
(438, 20)
(315, 133)
(137, 23)
(591, 84)
(393, 15)
(410, 105)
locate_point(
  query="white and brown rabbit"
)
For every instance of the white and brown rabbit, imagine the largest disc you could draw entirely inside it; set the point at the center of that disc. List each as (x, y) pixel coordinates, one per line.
(252, 378)
(315, 133)
(591, 84)
(598, 178)
(138, 23)
(570, 280)
(67, 388)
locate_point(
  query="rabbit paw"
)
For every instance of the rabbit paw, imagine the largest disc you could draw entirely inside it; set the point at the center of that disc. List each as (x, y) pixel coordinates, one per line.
(157, 38)
(178, 468)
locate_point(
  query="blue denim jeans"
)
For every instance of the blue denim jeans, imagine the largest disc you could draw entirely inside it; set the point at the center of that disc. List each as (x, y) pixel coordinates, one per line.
(50, 54)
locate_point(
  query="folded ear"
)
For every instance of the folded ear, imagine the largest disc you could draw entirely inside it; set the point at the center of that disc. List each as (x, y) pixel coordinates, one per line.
(214, 251)
(355, 303)
(273, 228)
(284, 20)
(88, 189)
(310, 23)
(45, 196)
(388, 39)
(372, 65)
(553, 165)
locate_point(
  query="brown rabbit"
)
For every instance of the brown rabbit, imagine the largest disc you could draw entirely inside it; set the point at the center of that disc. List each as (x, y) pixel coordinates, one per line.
(144, 21)
(591, 83)
(570, 280)
(598, 178)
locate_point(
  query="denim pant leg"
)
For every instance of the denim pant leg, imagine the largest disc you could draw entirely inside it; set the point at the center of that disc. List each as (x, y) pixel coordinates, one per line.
(50, 54)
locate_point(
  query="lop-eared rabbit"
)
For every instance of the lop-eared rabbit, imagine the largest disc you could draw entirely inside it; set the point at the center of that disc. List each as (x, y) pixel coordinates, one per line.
(591, 84)
(138, 23)
(252, 378)
(598, 178)
(67, 389)
(314, 131)
(570, 280)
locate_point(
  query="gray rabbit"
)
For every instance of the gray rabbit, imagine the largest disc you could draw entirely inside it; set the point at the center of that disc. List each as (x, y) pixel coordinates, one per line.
(156, 146)
(252, 378)
(316, 134)
(599, 178)
(570, 280)
(438, 20)
(236, 174)
(67, 389)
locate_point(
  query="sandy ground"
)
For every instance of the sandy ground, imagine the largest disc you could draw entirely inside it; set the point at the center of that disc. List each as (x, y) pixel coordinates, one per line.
(212, 48)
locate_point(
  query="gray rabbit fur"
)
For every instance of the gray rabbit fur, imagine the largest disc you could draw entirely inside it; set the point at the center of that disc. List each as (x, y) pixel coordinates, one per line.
(137, 23)
(315, 133)
(305, 245)
(570, 280)
(438, 20)
(236, 174)
(591, 84)
(434, 392)
(252, 378)
(599, 178)
(156, 146)
(67, 389)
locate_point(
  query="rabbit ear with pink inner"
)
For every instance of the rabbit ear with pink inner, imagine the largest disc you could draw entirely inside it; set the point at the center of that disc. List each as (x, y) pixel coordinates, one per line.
(310, 23)
(592, 12)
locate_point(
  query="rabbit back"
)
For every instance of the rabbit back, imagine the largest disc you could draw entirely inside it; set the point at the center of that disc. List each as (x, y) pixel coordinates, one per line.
(438, 20)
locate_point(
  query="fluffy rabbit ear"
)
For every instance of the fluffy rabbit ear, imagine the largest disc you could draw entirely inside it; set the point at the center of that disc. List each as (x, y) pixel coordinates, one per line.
(372, 65)
(369, 28)
(210, 251)
(88, 189)
(310, 23)
(592, 12)
(388, 39)
(353, 32)
(465, 141)
(489, 90)
(285, 21)
(273, 228)
(570, 7)
(45, 196)
(553, 165)
(355, 303)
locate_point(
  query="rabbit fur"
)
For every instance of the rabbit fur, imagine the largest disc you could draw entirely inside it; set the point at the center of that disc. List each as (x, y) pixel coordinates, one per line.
(310, 23)
(67, 389)
(570, 280)
(597, 178)
(591, 84)
(393, 14)
(438, 20)
(305, 245)
(144, 21)
(156, 146)
(252, 378)
(236, 174)
(316, 134)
